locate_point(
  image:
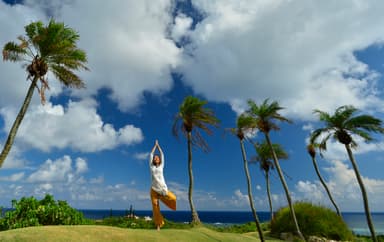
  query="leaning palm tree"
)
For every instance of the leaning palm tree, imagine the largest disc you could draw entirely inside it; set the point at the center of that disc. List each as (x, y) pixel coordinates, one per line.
(191, 118)
(244, 124)
(342, 126)
(312, 152)
(264, 157)
(44, 48)
(265, 115)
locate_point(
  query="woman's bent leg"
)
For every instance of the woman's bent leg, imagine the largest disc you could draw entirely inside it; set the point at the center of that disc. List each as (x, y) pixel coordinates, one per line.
(169, 200)
(157, 217)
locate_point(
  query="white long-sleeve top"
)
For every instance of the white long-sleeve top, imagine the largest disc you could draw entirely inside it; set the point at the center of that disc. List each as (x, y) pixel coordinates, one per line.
(158, 182)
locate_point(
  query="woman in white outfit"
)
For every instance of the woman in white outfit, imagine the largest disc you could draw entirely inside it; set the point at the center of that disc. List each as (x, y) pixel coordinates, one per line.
(159, 190)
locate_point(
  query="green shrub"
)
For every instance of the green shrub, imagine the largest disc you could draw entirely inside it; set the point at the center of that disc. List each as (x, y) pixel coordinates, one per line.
(28, 211)
(312, 220)
(240, 228)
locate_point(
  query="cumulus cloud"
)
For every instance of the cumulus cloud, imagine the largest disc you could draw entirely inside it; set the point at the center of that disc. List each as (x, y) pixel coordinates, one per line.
(81, 165)
(13, 178)
(77, 126)
(127, 44)
(344, 188)
(239, 199)
(53, 171)
(295, 52)
(181, 27)
(128, 47)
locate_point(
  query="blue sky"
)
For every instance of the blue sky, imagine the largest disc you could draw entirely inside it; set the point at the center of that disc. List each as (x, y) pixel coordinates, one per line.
(90, 147)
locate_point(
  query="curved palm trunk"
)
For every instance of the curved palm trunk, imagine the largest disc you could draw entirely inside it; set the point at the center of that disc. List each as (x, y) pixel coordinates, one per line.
(12, 133)
(363, 192)
(195, 216)
(325, 186)
(282, 179)
(250, 196)
(269, 194)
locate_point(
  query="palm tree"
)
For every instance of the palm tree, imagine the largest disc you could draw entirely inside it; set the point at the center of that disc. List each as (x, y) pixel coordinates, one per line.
(264, 157)
(44, 48)
(265, 116)
(312, 152)
(191, 118)
(341, 126)
(244, 124)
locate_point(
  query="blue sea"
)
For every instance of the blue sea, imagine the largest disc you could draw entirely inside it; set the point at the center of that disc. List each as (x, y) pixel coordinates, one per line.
(355, 221)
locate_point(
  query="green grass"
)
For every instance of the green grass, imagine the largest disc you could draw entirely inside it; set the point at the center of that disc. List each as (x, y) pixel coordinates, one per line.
(96, 233)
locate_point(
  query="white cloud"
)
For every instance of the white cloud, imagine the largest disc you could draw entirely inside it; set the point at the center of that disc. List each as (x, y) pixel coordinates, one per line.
(97, 180)
(344, 189)
(13, 178)
(181, 27)
(77, 126)
(127, 44)
(239, 199)
(13, 77)
(14, 159)
(295, 52)
(142, 156)
(81, 165)
(53, 171)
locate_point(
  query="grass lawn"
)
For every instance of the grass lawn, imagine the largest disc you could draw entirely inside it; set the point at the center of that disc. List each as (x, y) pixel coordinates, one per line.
(83, 233)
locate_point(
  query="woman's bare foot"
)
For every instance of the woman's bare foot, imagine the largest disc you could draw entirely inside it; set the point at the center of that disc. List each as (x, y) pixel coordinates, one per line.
(158, 227)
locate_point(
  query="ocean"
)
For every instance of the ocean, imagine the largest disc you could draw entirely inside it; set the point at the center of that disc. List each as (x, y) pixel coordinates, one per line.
(355, 221)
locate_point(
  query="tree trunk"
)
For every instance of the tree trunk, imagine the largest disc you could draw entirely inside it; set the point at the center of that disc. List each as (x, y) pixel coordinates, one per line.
(282, 179)
(269, 194)
(12, 133)
(325, 186)
(363, 192)
(250, 196)
(195, 216)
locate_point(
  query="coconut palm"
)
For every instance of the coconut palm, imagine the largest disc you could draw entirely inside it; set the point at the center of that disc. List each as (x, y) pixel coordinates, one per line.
(44, 48)
(266, 116)
(312, 152)
(264, 157)
(190, 119)
(245, 123)
(342, 126)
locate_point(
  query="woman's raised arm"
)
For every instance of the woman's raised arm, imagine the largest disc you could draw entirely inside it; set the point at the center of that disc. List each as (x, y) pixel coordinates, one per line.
(161, 153)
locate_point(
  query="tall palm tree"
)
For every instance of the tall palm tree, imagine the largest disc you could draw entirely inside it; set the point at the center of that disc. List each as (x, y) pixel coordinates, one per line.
(264, 157)
(341, 126)
(312, 152)
(44, 48)
(244, 124)
(190, 119)
(266, 116)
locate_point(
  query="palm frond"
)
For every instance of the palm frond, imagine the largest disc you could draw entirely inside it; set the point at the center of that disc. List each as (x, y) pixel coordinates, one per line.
(266, 115)
(193, 117)
(264, 155)
(14, 52)
(343, 124)
(67, 77)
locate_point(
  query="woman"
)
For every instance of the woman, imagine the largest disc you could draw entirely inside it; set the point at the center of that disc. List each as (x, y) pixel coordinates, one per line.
(159, 190)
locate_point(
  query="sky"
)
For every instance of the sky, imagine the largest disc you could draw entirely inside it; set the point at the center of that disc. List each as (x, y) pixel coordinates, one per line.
(91, 146)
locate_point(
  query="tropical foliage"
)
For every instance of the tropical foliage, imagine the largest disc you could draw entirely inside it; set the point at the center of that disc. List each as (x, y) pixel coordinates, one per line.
(311, 148)
(192, 117)
(29, 211)
(264, 158)
(244, 124)
(42, 49)
(266, 116)
(345, 126)
(314, 220)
